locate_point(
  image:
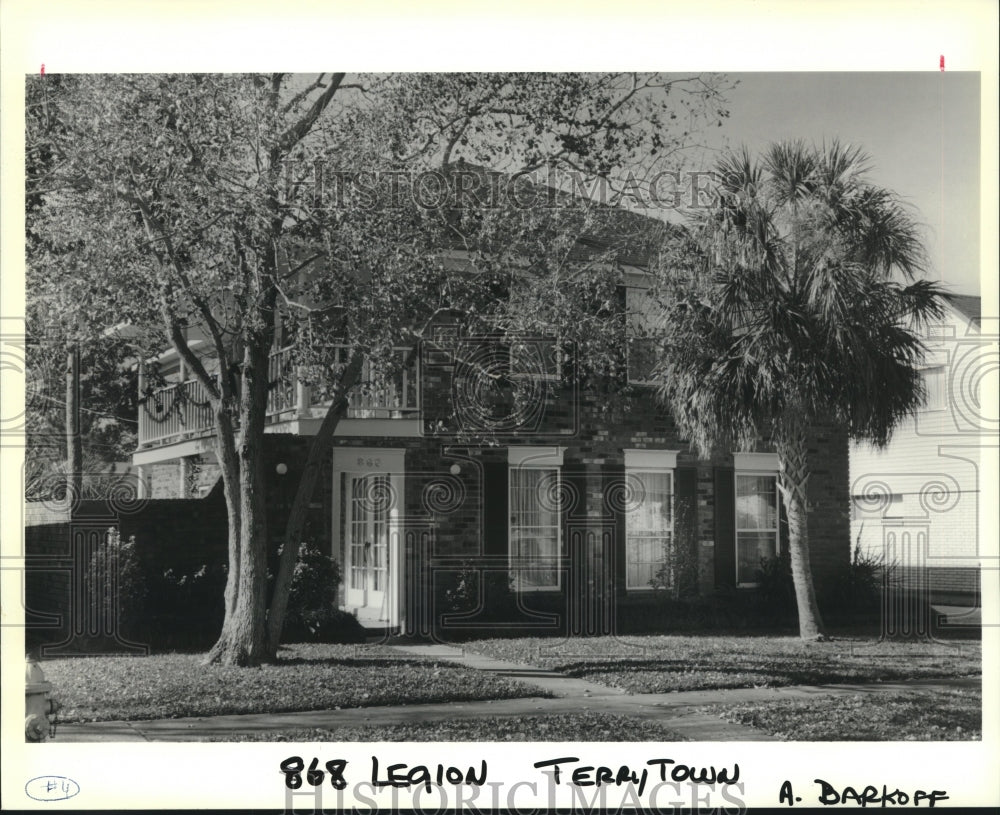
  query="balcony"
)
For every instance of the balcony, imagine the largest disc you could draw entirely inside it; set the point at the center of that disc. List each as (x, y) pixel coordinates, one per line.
(182, 411)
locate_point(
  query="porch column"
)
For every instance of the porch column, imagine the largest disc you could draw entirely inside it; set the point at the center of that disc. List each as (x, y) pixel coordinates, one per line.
(184, 473)
(302, 395)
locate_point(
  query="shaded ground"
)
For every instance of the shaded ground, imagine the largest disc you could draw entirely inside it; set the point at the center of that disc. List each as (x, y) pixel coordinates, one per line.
(922, 715)
(658, 664)
(307, 677)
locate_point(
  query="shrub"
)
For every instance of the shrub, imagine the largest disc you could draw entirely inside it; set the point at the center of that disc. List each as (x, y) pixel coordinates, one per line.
(312, 614)
(856, 589)
(485, 596)
(189, 607)
(775, 593)
(118, 586)
(315, 581)
(162, 609)
(459, 591)
(677, 578)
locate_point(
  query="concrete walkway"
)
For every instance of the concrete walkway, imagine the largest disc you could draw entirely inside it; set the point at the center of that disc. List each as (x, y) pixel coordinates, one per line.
(557, 684)
(569, 695)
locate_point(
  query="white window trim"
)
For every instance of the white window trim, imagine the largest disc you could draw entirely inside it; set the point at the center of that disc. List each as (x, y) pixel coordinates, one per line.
(766, 471)
(765, 463)
(651, 459)
(536, 457)
(533, 458)
(943, 385)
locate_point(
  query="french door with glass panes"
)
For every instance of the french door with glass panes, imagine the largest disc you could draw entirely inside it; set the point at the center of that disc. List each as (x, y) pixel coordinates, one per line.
(367, 554)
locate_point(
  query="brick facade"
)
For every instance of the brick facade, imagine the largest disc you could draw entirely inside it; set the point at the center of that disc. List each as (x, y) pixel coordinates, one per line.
(452, 517)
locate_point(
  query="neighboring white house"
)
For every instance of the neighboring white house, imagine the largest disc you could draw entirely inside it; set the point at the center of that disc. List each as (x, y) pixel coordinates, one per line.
(918, 501)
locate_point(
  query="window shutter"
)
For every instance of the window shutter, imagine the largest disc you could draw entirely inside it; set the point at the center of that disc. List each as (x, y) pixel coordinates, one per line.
(686, 529)
(613, 477)
(686, 488)
(496, 517)
(725, 527)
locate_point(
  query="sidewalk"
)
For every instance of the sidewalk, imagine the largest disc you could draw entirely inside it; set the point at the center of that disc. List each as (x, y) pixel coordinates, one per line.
(569, 695)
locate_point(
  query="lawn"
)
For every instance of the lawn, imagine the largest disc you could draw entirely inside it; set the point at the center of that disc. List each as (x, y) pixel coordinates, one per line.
(658, 664)
(306, 677)
(939, 715)
(554, 727)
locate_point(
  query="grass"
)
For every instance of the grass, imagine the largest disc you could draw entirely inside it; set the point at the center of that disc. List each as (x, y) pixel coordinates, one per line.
(306, 677)
(658, 664)
(555, 727)
(938, 715)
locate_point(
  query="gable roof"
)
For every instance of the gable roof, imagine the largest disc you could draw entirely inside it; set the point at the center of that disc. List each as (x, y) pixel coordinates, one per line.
(968, 306)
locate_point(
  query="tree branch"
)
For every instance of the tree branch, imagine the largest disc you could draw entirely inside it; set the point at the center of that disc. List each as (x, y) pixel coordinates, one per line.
(294, 134)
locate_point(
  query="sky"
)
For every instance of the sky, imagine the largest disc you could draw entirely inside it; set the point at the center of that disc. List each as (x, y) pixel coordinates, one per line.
(921, 130)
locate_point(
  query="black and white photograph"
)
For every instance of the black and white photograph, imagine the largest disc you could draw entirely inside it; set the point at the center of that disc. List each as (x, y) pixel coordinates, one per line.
(480, 438)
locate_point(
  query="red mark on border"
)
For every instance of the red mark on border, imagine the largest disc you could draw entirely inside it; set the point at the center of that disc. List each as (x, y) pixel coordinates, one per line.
(941, 62)
(43, 68)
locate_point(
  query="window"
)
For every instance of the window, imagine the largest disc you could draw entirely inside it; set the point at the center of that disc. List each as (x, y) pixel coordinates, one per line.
(936, 385)
(649, 530)
(641, 346)
(649, 518)
(756, 523)
(535, 518)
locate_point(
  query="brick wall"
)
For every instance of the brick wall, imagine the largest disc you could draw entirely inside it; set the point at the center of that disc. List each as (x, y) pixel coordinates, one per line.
(829, 503)
(48, 572)
(594, 463)
(191, 477)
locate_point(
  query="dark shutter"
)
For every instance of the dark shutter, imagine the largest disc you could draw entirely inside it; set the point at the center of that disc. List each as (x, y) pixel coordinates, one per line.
(725, 527)
(495, 512)
(686, 491)
(686, 530)
(614, 480)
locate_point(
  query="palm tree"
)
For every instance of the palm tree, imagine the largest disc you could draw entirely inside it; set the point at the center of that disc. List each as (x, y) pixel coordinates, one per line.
(804, 308)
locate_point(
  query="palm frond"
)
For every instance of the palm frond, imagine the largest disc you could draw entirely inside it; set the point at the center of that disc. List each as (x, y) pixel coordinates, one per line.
(838, 338)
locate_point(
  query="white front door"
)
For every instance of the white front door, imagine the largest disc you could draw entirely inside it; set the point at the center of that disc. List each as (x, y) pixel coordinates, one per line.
(366, 552)
(368, 508)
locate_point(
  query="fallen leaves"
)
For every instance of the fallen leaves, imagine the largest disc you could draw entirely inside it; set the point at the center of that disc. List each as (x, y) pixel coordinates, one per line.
(917, 715)
(553, 727)
(306, 677)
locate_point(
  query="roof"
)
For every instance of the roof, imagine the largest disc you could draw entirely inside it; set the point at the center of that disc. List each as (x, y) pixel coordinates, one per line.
(633, 237)
(968, 306)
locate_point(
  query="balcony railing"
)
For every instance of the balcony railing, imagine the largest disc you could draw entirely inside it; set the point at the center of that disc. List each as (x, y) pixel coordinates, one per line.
(182, 410)
(174, 412)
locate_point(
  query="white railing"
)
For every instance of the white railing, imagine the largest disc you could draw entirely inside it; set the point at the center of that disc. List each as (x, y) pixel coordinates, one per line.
(182, 410)
(174, 412)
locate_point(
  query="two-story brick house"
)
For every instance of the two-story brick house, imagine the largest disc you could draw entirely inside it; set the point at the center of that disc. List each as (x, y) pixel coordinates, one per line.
(570, 504)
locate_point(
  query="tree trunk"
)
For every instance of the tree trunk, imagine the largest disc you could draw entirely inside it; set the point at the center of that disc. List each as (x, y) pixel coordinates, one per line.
(74, 442)
(225, 450)
(792, 480)
(243, 638)
(292, 539)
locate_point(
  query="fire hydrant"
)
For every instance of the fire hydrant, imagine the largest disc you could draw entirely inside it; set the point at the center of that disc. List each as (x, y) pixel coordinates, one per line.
(39, 705)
